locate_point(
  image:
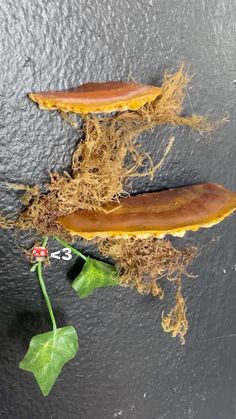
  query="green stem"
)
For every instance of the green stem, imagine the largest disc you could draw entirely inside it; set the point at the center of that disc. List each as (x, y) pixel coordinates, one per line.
(44, 291)
(75, 251)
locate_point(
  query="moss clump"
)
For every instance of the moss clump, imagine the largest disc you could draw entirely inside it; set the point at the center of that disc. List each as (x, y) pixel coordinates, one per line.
(143, 263)
(175, 322)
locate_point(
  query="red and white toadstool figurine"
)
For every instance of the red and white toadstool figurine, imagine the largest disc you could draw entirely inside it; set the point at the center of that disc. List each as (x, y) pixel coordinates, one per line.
(40, 253)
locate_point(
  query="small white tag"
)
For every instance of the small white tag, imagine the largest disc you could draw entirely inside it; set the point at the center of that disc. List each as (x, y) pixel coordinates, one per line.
(66, 254)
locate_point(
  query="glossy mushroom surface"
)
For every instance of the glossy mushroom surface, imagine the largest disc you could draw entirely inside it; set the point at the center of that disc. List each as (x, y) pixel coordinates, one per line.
(173, 211)
(98, 97)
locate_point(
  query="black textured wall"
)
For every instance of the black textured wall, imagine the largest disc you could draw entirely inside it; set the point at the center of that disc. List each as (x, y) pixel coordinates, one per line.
(127, 367)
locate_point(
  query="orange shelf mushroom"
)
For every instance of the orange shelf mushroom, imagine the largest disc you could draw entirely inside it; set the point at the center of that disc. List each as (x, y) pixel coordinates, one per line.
(173, 211)
(98, 97)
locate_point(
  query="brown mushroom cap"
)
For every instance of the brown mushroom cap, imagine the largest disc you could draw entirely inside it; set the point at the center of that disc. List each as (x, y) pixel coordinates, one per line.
(173, 211)
(98, 97)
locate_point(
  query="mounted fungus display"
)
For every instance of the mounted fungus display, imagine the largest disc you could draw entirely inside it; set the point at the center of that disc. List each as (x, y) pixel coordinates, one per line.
(91, 202)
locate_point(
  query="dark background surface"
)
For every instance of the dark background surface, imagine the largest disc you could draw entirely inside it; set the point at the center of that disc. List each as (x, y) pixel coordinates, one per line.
(127, 366)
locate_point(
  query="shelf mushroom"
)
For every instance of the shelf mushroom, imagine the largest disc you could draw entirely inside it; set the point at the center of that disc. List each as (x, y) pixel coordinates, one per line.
(40, 253)
(173, 212)
(98, 97)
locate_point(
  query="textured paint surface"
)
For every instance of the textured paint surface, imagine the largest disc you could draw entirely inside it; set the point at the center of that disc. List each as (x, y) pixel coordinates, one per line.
(127, 367)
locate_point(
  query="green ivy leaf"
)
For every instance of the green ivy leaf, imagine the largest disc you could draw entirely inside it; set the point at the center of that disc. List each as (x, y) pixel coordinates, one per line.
(95, 274)
(48, 353)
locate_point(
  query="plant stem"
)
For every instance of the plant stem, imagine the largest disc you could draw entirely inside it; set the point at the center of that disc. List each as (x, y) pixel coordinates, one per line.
(75, 251)
(44, 291)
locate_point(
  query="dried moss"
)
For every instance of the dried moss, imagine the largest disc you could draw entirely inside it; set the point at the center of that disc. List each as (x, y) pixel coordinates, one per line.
(175, 322)
(143, 263)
